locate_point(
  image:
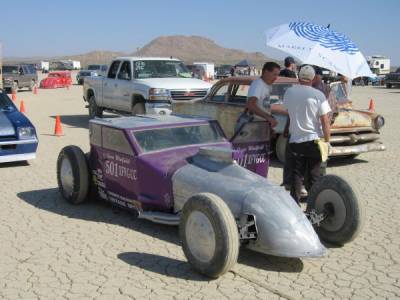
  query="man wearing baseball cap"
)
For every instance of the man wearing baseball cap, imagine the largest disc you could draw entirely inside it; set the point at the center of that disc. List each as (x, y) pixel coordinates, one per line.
(308, 116)
(290, 68)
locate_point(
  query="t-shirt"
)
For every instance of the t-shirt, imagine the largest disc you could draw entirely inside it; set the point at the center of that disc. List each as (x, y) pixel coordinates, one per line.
(305, 105)
(261, 91)
(287, 73)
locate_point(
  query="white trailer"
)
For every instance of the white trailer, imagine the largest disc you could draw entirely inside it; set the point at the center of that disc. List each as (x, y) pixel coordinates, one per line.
(379, 65)
(76, 64)
(208, 68)
(44, 66)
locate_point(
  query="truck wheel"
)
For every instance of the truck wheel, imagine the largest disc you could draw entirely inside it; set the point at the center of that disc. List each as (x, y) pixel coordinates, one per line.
(14, 88)
(94, 110)
(280, 148)
(138, 109)
(334, 197)
(388, 85)
(32, 85)
(209, 235)
(73, 174)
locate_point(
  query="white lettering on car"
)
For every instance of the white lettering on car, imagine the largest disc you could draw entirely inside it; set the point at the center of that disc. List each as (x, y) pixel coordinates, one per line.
(117, 170)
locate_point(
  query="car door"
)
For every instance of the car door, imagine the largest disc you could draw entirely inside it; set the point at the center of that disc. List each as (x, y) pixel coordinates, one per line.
(110, 85)
(119, 170)
(124, 87)
(252, 141)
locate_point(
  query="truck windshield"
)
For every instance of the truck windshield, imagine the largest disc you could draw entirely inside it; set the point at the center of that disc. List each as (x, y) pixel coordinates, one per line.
(94, 67)
(160, 69)
(164, 138)
(10, 69)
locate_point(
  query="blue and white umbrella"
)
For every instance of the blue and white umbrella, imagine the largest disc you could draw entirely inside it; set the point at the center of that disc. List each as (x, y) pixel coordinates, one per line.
(320, 46)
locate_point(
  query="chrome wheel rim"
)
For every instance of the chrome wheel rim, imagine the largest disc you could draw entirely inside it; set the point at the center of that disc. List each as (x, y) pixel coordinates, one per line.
(331, 203)
(200, 236)
(67, 177)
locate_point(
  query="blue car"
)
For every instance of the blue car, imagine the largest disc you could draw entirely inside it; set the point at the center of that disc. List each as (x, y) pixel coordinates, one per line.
(18, 140)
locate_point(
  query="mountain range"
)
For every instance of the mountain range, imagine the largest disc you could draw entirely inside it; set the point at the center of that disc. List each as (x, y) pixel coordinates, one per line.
(187, 48)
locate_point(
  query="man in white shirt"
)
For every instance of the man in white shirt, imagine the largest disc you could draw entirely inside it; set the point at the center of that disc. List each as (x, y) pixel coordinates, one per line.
(258, 96)
(308, 115)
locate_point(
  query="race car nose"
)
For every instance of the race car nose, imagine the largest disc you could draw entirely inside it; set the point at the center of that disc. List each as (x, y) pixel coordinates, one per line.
(282, 227)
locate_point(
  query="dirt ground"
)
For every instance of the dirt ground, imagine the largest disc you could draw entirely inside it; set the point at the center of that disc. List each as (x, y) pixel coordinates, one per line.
(53, 250)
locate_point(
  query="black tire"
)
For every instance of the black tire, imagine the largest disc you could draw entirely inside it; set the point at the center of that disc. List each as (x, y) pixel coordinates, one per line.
(224, 230)
(280, 148)
(388, 85)
(94, 110)
(92, 192)
(138, 109)
(345, 218)
(73, 179)
(32, 85)
(14, 88)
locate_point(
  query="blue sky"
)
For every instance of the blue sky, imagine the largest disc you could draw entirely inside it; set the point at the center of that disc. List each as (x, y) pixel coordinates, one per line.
(48, 28)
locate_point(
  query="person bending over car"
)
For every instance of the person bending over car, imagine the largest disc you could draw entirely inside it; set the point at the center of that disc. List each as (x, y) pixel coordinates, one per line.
(308, 117)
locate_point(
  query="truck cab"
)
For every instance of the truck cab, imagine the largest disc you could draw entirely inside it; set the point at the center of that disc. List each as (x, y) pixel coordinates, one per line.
(138, 85)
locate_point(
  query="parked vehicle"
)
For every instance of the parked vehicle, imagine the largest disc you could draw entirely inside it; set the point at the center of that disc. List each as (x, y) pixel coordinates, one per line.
(138, 85)
(223, 71)
(19, 76)
(353, 131)
(208, 69)
(379, 65)
(44, 66)
(54, 80)
(218, 204)
(82, 74)
(100, 70)
(18, 140)
(393, 79)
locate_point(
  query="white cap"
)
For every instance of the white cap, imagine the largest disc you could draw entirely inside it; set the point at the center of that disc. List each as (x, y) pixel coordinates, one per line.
(307, 73)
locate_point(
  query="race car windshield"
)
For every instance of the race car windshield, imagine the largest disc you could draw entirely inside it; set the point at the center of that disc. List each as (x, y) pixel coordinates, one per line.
(164, 138)
(93, 67)
(160, 69)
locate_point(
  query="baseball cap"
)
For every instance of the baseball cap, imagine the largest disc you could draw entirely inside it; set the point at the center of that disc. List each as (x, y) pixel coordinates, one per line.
(307, 73)
(289, 60)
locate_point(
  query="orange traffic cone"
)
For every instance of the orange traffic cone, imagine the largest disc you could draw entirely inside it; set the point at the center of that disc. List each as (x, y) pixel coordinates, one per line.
(35, 90)
(22, 106)
(371, 105)
(13, 96)
(58, 129)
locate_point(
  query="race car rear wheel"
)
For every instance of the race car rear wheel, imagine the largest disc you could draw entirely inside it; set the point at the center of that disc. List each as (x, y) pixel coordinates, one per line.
(343, 211)
(73, 174)
(209, 235)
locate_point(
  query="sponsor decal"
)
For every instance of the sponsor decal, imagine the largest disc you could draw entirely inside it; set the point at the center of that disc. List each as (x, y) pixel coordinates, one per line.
(252, 155)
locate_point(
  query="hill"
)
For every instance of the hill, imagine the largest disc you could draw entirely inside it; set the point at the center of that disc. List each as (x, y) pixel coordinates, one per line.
(187, 48)
(196, 48)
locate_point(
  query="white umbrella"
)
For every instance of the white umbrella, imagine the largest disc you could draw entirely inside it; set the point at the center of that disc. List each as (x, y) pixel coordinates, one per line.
(320, 46)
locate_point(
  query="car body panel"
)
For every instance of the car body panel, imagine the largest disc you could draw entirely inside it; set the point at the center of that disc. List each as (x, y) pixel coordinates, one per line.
(352, 130)
(12, 146)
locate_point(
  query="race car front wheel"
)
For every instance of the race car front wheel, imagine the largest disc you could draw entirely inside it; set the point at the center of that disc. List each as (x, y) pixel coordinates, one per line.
(209, 235)
(342, 211)
(73, 174)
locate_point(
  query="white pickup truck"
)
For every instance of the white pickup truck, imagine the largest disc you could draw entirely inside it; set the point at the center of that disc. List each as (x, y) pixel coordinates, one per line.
(139, 85)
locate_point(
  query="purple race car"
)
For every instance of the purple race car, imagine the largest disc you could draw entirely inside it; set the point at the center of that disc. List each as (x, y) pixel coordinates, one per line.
(183, 171)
